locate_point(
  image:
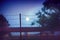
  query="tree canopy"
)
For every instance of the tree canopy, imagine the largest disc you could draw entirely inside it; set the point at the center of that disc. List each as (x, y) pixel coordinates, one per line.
(51, 17)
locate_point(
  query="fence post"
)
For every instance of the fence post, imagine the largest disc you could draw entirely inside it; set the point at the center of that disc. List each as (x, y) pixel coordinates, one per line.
(20, 26)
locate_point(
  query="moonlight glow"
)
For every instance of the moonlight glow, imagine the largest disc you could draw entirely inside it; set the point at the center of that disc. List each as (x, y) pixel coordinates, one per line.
(27, 18)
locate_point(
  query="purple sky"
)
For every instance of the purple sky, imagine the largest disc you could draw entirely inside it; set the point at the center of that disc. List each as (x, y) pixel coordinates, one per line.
(27, 8)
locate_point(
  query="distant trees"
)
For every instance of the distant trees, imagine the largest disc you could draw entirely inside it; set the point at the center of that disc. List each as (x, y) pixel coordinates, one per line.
(50, 18)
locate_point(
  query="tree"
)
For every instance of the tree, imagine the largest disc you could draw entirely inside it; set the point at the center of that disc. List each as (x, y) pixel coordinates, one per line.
(52, 20)
(42, 19)
(3, 26)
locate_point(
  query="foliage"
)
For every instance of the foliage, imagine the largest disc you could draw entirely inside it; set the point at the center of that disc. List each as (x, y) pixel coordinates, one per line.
(53, 21)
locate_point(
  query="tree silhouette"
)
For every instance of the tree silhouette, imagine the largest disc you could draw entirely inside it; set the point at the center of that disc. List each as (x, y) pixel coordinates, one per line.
(3, 26)
(54, 21)
(51, 16)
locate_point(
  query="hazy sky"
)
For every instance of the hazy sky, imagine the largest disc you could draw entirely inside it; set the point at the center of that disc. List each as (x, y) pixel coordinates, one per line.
(27, 8)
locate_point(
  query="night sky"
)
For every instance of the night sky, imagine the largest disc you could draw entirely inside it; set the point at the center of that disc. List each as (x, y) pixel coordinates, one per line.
(27, 8)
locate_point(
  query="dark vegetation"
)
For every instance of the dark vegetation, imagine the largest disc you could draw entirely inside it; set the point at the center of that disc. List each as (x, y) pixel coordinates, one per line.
(51, 19)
